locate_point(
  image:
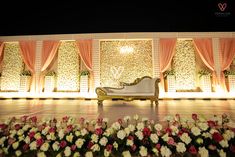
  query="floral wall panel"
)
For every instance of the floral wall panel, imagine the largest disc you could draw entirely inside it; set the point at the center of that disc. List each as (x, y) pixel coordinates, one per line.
(185, 65)
(117, 66)
(11, 68)
(68, 67)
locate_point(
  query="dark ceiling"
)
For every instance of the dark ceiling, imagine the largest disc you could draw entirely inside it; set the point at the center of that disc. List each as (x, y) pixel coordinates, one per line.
(68, 17)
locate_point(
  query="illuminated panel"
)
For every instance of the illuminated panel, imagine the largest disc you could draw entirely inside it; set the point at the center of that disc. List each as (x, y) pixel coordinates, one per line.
(68, 67)
(184, 65)
(124, 61)
(11, 68)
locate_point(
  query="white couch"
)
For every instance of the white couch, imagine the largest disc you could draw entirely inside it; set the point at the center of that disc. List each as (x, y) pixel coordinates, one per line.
(142, 88)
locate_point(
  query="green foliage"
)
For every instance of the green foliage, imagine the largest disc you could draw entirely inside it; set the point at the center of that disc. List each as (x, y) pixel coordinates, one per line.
(84, 73)
(229, 72)
(169, 72)
(203, 72)
(25, 73)
(51, 73)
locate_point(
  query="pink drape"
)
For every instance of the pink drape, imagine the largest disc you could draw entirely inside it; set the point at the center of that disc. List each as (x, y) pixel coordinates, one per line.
(85, 49)
(227, 54)
(167, 51)
(28, 51)
(204, 49)
(49, 50)
(1, 51)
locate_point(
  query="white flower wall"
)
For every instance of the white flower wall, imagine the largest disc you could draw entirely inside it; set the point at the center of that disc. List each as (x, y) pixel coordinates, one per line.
(11, 68)
(185, 65)
(68, 67)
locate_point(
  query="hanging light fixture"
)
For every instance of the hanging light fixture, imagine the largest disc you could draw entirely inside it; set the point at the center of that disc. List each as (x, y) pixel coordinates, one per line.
(126, 48)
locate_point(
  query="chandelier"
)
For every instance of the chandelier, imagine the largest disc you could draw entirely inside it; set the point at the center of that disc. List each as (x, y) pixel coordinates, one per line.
(126, 49)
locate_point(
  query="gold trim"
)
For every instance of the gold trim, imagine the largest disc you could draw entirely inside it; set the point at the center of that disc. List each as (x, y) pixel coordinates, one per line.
(102, 92)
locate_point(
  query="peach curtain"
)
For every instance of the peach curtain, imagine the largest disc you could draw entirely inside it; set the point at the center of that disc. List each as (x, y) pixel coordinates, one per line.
(167, 51)
(1, 51)
(85, 52)
(227, 54)
(49, 50)
(204, 49)
(28, 52)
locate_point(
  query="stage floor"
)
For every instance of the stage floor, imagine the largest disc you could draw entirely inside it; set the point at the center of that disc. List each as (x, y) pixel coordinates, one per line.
(114, 109)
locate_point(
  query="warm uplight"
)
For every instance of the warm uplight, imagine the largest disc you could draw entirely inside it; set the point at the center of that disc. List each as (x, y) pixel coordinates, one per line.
(126, 49)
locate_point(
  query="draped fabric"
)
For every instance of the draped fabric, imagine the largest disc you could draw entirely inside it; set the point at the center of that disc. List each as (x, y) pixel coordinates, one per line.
(28, 52)
(49, 51)
(85, 52)
(167, 51)
(204, 49)
(227, 54)
(1, 51)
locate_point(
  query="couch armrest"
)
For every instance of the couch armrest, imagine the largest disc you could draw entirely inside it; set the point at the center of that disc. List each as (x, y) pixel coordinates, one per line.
(101, 91)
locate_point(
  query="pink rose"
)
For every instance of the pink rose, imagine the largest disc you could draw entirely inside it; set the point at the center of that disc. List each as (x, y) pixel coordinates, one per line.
(194, 116)
(211, 123)
(51, 130)
(24, 118)
(192, 150)
(120, 121)
(90, 144)
(133, 147)
(109, 147)
(171, 141)
(65, 119)
(98, 131)
(73, 147)
(33, 119)
(17, 127)
(146, 132)
(158, 146)
(31, 134)
(39, 142)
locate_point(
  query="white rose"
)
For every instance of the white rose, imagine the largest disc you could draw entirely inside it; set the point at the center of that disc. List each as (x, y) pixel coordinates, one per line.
(15, 145)
(158, 127)
(127, 130)
(2, 140)
(174, 129)
(144, 119)
(84, 132)
(108, 132)
(155, 151)
(41, 154)
(95, 148)
(61, 134)
(224, 143)
(106, 153)
(140, 126)
(77, 133)
(129, 142)
(37, 136)
(76, 154)
(45, 130)
(154, 138)
(127, 118)
(116, 126)
(121, 134)
(67, 151)
(69, 138)
(103, 141)
(33, 145)
(44, 147)
(165, 137)
(131, 127)
(203, 152)
(180, 147)
(140, 135)
(143, 151)
(115, 145)
(51, 136)
(228, 135)
(33, 129)
(56, 146)
(165, 152)
(212, 131)
(89, 154)
(105, 120)
(136, 117)
(59, 155)
(222, 153)
(203, 126)
(21, 138)
(20, 132)
(207, 135)
(5, 150)
(79, 142)
(94, 138)
(196, 131)
(185, 138)
(126, 154)
(27, 140)
(18, 153)
(169, 118)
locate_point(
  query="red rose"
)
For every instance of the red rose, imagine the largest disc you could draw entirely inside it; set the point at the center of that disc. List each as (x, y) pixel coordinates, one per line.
(217, 137)
(192, 150)
(120, 121)
(69, 128)
(3, 126)
(133, 147)
(211, 123)
(232, 148)
(31, 135)
(17, 127)
(98, 131)
(73, 147)
(26, 147)
(65, 119)
(33, 119)
(51, 130)
(63, 144)
(146, 132)
(130, 138)
(39, 142)
(194, 116)
(109, 147)
(90, 144)
(168, 130)
(24, 118)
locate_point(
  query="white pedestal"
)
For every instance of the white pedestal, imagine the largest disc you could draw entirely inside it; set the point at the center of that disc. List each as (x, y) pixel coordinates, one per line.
(24, 83)
(49, 84)
(171, 83)
(84, 84)
(205, 82)
(231, 82)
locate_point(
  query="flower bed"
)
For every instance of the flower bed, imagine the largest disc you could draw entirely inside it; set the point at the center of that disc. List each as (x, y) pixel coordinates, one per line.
(130, 136)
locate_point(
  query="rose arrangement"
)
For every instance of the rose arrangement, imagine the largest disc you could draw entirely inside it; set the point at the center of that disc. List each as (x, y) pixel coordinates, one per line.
(129, 136)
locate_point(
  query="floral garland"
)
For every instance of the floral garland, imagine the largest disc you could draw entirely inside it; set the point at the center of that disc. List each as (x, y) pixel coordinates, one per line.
(179, 136)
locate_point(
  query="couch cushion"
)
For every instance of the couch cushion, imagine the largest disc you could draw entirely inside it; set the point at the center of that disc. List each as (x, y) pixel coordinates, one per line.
(130, 94)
